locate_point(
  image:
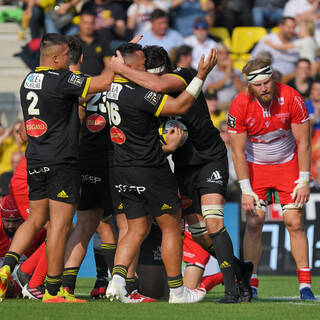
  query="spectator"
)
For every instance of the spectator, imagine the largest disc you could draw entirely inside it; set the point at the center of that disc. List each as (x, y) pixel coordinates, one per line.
(226, 80)
(313, 106)
(59, 18)
(283, 61)
(199, 41)
(306, 45)
(267, 13)
(217, 116)
(301, 10)
(96, 52)
(35, 13)
(139, 14)
(315, 183)
(182, 57)
(302, 81)
(233, 13)
(5, 177)
(10, 142)
(110, 19)
(189, 10)
(160, 34)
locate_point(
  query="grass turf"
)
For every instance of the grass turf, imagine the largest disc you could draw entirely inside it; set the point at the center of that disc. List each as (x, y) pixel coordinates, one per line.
(278, 299)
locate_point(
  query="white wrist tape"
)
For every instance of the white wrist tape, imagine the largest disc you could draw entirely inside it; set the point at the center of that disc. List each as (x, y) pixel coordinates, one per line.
(301, 182)
(195, 87)
(246, 189)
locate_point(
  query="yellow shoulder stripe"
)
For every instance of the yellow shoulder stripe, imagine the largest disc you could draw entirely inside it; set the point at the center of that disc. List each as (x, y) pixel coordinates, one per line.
(163, 101)
(184, 81)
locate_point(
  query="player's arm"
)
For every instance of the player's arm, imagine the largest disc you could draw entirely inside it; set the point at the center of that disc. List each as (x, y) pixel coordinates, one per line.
(248, 197)
(151, 81)
(181, 104)
(100, 83)
(301, 133)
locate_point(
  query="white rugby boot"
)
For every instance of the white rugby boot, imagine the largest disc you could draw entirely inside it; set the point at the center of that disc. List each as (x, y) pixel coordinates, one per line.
(188, 296)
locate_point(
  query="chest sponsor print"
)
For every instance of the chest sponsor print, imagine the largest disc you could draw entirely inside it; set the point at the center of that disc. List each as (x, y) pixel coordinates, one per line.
(95, 123)
(36, 127)
(117, 136)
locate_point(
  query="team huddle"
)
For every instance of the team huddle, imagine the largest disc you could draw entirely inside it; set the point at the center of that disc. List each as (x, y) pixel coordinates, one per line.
(122, 170)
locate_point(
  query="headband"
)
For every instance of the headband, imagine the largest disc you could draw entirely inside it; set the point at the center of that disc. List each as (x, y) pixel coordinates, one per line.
(260, 74)
(157, 69)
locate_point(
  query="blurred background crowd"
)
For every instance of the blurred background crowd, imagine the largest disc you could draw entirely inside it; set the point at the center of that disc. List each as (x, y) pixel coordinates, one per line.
(288, 32)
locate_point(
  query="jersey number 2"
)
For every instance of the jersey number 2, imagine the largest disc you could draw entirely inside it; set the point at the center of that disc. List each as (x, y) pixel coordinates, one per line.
(32, 109)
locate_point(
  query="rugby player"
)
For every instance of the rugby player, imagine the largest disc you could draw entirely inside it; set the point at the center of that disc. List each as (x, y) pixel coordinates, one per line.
(144, 179)
(270, 140)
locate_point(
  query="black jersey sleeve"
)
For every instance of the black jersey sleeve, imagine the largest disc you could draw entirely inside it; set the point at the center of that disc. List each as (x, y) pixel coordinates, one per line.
(150, 101)
(74, 84)
(186, 75)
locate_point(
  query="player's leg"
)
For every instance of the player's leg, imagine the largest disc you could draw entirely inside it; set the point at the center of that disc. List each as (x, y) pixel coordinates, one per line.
(192, 276)
(293, 220)
(77, 244)
(21, 241)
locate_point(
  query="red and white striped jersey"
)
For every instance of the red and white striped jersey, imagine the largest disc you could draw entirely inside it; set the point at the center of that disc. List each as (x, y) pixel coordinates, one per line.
(270, 139)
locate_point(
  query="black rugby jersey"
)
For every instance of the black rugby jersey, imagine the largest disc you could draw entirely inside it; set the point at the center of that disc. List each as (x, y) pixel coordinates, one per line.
(134, 121)
(49, 100)
(96, 149)
(204, 143)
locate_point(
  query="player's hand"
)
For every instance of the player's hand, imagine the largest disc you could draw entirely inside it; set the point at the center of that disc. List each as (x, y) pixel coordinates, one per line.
(301, 194)
(174, 138)
(116, 62)
(136, 39)
(250, 202)
(206, 65)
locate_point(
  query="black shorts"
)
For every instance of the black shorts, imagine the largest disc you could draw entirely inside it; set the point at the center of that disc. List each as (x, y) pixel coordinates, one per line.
(195, 181)
(95, 190)
(150, 250)
(147, 191)
(57, 182)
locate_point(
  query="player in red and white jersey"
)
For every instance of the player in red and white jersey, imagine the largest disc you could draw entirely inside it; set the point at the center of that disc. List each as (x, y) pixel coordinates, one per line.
(270, 139)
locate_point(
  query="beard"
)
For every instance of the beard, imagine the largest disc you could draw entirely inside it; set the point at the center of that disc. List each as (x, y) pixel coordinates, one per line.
(9, 232)
(266, 97)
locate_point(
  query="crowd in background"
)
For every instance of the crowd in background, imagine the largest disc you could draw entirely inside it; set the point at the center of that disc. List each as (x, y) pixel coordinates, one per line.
(182, 27)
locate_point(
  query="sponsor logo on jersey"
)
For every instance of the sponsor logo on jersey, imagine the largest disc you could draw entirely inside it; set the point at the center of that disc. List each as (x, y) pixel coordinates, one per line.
(114, 91)
(153, 97)
(95, 123)
(281, 101)
(117, 136)
(34, 81)
(126, 188)
(231, 121)
(36, 127)
(62, 194)
(215, 178)
(76, 79)
(38, 170)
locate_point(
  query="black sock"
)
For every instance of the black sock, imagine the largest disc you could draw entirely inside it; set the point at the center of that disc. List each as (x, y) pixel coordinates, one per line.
(69, 278)
(53, 284)
(224, 251)
(108, 251)
(175, 282)
(11, 259)
(211, 250)
(238, 267)
(101, 266)
(132, 284)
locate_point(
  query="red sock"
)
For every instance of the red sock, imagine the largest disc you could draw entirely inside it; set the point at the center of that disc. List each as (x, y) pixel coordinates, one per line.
(254, 282)
(40, 271)
(208, 282)
(304, 275)
(30, 264)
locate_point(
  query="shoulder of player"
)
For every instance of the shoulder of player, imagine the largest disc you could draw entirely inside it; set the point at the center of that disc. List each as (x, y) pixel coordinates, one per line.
(287, 92)
(185, 74)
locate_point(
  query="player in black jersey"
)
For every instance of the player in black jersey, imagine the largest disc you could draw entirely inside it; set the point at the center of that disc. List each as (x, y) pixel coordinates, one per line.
(49, 99)
(144, 179)
(201, 167)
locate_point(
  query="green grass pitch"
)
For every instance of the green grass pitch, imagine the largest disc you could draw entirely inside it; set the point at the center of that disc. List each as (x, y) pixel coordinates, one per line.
(278, 300)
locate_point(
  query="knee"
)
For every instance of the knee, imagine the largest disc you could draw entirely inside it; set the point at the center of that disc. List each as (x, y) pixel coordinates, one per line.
(294, 225)
(254, 224)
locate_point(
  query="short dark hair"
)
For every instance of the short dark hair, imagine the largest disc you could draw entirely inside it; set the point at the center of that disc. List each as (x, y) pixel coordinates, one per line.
(52, 39)
(88, 13)
(158, 13)
(75, 48)
(157, 56)
(303, 60)
(128, 49)
(181, 51)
